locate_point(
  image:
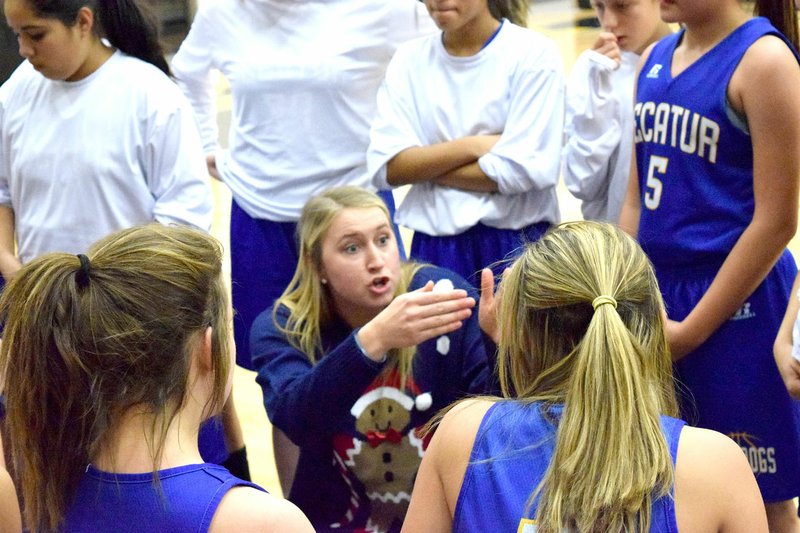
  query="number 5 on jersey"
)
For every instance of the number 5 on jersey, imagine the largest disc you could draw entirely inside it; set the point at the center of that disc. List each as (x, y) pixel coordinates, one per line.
(652, 195)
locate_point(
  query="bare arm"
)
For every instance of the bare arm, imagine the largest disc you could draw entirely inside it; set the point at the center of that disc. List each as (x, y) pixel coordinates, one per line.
(714, 486)
(249, 509)
(470, 177)
(433, 502)
(788, 366)
(10, 518)
(9, 263)
(632, 207)
(427, 163)
(775, 130)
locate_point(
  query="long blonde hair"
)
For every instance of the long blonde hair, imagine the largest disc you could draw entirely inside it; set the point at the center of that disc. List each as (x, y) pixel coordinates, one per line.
(86, 339)
(610, 367)
(308, 302)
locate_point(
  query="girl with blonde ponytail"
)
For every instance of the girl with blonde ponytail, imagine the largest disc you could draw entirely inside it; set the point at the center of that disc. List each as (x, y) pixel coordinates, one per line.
(584, 439)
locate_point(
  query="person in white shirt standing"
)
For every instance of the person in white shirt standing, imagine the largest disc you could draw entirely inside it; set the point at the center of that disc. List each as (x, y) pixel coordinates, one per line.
(94, 136)
(303, 79)
(599, 123)
(472, 118)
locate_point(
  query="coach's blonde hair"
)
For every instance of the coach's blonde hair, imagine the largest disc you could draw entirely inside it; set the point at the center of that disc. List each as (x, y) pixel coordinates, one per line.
(610, 367)
(308, 302)
(84, 345)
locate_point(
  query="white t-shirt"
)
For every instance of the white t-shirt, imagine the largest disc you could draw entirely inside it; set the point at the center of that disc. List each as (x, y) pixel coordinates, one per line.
(599, 133)
(514, 86)
(79, 160)
(303, 77)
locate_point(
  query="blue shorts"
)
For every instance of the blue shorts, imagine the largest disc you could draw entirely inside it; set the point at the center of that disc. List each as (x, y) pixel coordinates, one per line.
(475, 249)
(263, 260)
(731, 383)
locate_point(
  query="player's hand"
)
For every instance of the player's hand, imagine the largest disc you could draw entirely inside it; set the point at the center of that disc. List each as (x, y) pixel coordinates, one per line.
(415, 317)
(789, 367)
(681, 340)
(211, 163)
(607, 45)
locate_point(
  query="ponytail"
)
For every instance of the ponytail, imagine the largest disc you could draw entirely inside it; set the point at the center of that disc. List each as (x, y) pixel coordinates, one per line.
(783, 15)
(127, 24)
(88, 340)
(581, 325)
(514, 10)
(131, 27)
(47, 386)
(591, 487)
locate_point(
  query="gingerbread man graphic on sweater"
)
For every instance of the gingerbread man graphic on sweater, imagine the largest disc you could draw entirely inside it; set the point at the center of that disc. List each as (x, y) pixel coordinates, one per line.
(385, 453)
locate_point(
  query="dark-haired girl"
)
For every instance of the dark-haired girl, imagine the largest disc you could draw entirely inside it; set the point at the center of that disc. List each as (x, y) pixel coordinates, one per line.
(94, 136)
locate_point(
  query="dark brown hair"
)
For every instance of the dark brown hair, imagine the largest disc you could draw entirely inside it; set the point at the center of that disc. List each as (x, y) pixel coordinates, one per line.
(127, 24)
(85, 341)
(782, 15)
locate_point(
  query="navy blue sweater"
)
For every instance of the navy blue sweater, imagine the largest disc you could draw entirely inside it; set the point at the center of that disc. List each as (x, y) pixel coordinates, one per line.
(359, 452)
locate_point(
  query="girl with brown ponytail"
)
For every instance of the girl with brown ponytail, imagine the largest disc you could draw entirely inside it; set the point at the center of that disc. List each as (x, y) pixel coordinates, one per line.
(111, 360)
(584, 439)
(95, 137)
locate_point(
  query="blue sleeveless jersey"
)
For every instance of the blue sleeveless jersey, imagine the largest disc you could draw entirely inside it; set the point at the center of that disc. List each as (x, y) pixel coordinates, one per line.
(512, 451)
(694, 154)
(130, 502)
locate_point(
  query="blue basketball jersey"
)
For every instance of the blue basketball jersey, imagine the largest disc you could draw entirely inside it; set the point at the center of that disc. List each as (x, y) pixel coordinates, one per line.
(694, 153)
(187, 500)
(512, 451)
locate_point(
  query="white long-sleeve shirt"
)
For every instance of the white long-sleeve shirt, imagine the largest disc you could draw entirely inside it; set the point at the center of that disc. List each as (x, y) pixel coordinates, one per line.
(303, 78)
(513, 87)
(599, 133)
(79, 160)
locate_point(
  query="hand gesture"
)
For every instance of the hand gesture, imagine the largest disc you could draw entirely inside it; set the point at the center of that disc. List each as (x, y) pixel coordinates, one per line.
(415, 317)
(607, 45)
(487, 311)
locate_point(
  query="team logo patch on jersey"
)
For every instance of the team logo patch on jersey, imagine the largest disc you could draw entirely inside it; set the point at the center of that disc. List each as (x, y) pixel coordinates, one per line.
(761, 458)
(654, 70)
(744, 312)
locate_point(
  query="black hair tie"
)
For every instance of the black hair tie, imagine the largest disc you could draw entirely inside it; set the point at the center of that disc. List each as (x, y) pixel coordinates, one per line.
(82, 274)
